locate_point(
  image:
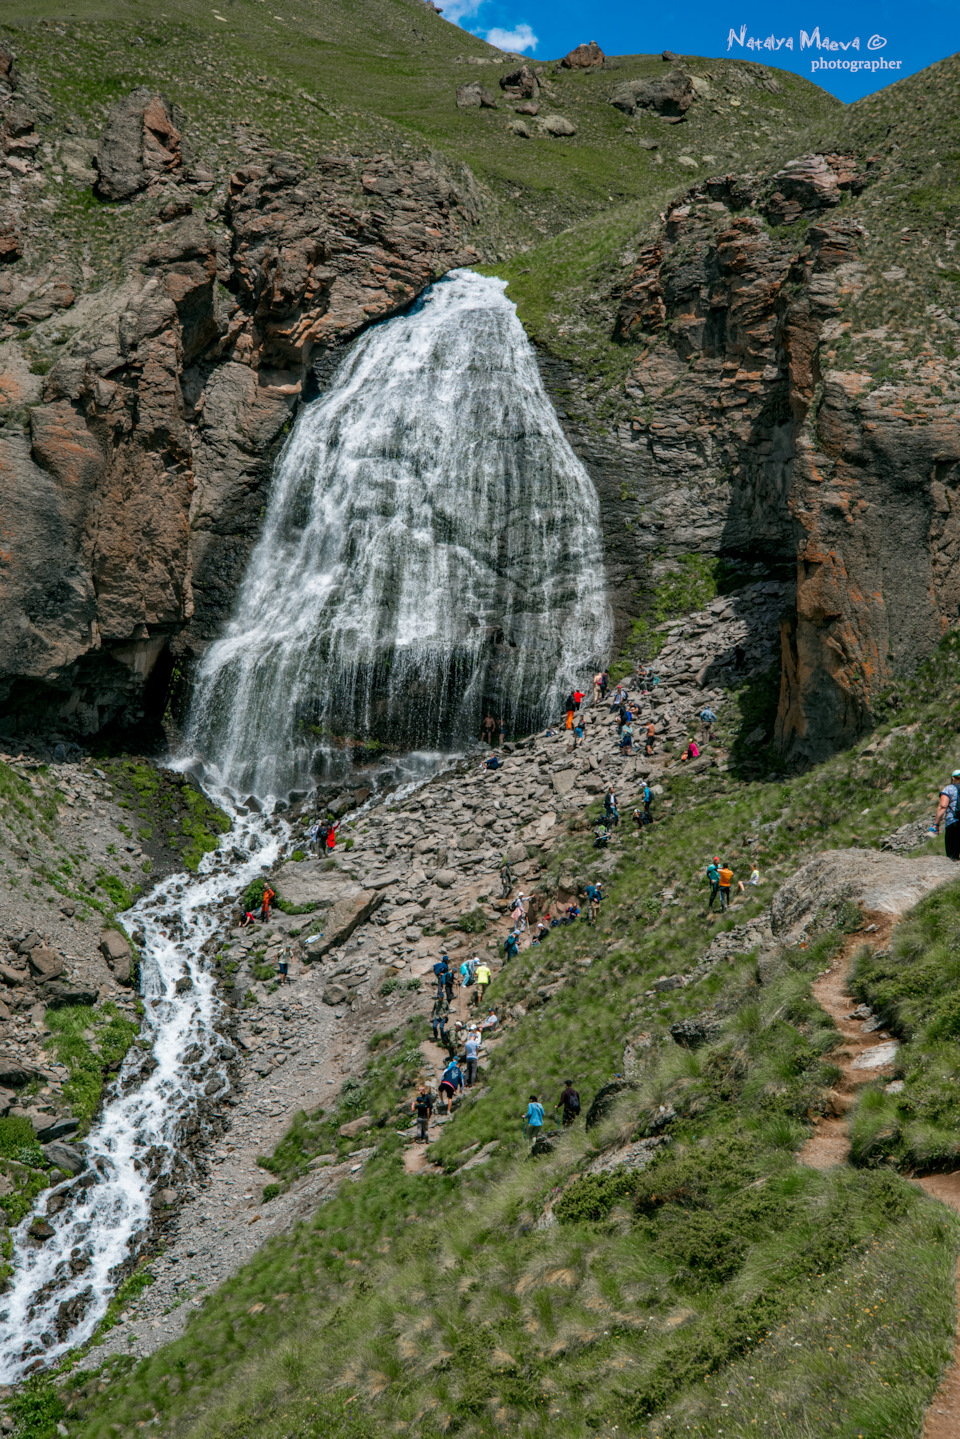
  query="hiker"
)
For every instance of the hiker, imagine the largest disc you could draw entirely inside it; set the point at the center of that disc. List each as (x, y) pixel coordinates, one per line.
(471, 1052)
(422, 1106)
(637, 818)
(647, 798)
(506, 878)
(949, 817)
(611, 813)
(467, 972)
(597, 687)
(488, 730)
(601, 835)
(519, 914)
(569, 1102)
(450, 1082)
(283, 965)
(543, 929)
(570, 705)
(268, 895)
(754, 879)
(577, 699)
(726, 879)
(248, 918)
(604, 684)
(713, 877)
(491, 1020)
(511, 945)
(483, 979)
(492, 763)
(692, 750)
(332, 835)
(626, 739)
(651, 738)
(438, 1017)
(578, 733)
(440, 970)
(708, 719)
(572, 912)
(448, 979)
(534, 1118)
(322, 834)
(594, 895)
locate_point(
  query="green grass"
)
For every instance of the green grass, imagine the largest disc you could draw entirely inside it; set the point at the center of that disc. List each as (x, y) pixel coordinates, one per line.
(912, 986)
(113, 1034)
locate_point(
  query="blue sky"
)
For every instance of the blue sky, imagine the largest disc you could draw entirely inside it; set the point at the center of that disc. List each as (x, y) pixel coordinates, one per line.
(831, 43)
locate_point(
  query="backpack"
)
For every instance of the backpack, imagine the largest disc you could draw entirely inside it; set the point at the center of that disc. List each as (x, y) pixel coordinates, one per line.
(573, 1103)
(440, 969)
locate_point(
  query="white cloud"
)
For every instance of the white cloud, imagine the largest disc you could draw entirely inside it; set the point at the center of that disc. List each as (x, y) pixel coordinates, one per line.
(521, 37)
(457, 10)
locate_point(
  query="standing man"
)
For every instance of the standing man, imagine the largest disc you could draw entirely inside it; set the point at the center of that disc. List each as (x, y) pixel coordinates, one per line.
(726, 880)
(422, 1107)
(569, 1102)
(483, 979)
(534, 1118)
(708, 719)
(597, 686)
(948, 815)
(471, 1053)
(570, 706)
(651, 738)
(488, 729)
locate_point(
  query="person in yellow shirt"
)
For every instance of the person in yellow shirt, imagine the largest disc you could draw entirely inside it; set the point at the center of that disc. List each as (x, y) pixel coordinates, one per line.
(483, 979)
(726, 880)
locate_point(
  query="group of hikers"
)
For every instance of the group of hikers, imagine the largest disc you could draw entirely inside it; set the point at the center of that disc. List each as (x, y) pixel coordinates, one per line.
(452, 1083)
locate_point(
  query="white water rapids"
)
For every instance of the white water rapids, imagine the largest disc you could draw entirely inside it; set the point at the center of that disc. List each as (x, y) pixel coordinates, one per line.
(431, 552)
(136, 1138)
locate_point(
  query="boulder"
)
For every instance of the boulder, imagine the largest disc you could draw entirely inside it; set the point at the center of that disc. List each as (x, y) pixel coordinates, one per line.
(66, 1156)
(354, 1126)
(520, 84)
(669, 57)
(584, 57)
(445, 878)
(45, 963)
(692, 1033)
(475, 96)
(342, 919)
(564, 780)
(41, 1230)
(309, 882)
(527, 107)
(876, 881)
(335, 994)
(604, 1099)
(141, 143)
(61, 1128)
(558, 125)
(521, 129)
(116, 951)
(517, 853)
(14, 1073)
(65, 996)
(672, 96)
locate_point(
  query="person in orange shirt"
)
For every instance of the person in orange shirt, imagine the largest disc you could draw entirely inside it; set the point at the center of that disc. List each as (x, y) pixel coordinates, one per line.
(726, 880)
(268, 895)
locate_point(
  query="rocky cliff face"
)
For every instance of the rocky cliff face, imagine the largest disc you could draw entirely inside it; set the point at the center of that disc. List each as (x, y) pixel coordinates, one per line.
(133, 482)
(770, 425)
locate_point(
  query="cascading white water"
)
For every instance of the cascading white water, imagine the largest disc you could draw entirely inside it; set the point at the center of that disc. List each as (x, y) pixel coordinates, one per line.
(60, 1288)
(431, 552)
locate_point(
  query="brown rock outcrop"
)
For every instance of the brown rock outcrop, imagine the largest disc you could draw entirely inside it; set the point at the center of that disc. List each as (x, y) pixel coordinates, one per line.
(140, 144)
(584, 57)
(139, 484)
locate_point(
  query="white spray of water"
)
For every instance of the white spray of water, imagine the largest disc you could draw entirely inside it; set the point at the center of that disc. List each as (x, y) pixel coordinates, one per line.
(431, 551)
(61, 1287)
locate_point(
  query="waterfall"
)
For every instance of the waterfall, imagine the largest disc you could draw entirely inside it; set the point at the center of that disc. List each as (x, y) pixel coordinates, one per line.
(431, 553)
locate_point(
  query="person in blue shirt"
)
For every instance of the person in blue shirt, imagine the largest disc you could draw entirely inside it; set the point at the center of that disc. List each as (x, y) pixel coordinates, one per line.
(451, 1082)
(948, 815)
(534, 1117)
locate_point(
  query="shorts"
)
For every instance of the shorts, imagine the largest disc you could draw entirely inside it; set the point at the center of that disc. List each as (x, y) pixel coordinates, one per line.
(951, 840)
(283, 968)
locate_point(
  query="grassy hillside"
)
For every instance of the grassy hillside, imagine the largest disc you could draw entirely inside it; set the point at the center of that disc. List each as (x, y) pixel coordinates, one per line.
(722, 1288)
(382, 74)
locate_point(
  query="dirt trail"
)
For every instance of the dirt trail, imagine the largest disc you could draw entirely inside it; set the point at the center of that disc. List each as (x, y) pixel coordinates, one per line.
(829, 1144)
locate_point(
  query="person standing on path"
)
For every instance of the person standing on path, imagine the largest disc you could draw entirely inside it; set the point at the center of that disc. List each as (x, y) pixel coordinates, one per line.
(438, 1017)
(597, 686)
(726, 880)
(483, 979)
(610, 810)
(708, 719)
(488, 729)
(948, 815)
(651, 738)
(647, 798)
(594, 896)
(283, 965)
(506, 877)
(450, 1082)
(571, 705)
(713, 879)
(471, 1054)
(422, 1107)
(534, 1118)
(569, 1102)
(578, 733)
(519, 914)
(268, 895)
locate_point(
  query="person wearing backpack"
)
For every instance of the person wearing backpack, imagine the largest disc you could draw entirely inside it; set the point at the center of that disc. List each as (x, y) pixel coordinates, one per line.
(438, 1017)
(569, 1102)
(534, 1118)
(647, 798)
(323, 830)
(422, 1107)
(511, 945)
(483, 979)
(440, 973)
(451, 1081)
(713, 879)
(708, 719)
